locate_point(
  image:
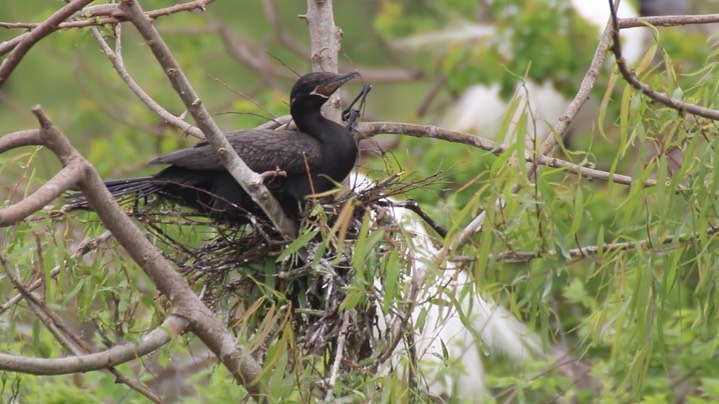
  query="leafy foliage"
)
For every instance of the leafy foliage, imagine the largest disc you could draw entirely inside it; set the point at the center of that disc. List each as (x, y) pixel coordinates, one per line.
(640, 309)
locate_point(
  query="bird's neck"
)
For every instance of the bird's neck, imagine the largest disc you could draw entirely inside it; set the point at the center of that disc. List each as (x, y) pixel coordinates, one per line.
(314, 124)
(334, 139)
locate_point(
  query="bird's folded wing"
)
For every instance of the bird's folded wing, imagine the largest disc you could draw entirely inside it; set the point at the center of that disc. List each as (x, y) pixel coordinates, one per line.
(261, 150)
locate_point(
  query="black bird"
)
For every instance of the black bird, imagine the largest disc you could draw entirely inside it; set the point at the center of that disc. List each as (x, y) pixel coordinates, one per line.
(314, 158)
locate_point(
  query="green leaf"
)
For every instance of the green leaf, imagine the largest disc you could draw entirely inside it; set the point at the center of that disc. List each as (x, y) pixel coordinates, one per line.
(298, 243)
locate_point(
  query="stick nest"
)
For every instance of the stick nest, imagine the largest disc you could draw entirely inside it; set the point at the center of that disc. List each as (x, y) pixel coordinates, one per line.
(316, 292)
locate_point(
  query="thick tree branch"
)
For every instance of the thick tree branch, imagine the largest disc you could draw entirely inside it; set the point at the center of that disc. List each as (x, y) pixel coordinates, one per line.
(325, 43)
(169, 282)
(114, 356)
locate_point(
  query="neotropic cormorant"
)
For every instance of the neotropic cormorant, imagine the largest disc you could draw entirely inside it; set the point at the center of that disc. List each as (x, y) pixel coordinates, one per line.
(314, 158)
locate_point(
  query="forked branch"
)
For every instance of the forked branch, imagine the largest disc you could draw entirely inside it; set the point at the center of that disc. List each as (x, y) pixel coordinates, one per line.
(187, 310)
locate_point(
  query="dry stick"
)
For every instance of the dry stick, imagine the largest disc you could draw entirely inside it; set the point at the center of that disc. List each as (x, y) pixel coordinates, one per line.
(70, 341)
(42, 30)
(339, 355)
(634, 81)
(186, 306)
(250, 181)
(116, 60)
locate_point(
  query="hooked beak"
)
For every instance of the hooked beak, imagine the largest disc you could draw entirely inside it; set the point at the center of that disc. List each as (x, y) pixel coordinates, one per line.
(334, 83)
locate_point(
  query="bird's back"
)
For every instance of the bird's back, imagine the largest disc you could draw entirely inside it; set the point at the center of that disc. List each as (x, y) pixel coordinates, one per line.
(262, 150)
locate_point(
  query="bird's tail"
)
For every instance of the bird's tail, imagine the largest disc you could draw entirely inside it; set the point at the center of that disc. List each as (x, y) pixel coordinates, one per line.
(127, 188)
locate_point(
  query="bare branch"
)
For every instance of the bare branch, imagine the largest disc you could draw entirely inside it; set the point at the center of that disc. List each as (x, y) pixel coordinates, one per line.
(586, 251)
(255, 58)
(113, 15)
(20, 139)
(325, 37)
(114, 356)
(10, 44)
(339, 355)
(583, 93)
(634, 81)
(282, 36)
(325, 42)
(169, 282)
(94, 15)
(277, 122)
(42, 30)
(434, 132)
(116, 60)
(668, 20)
(49, 191)
(252, 57)
(250, 181)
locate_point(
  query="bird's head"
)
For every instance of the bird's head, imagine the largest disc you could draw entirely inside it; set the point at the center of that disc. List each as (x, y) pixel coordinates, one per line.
(314, 89)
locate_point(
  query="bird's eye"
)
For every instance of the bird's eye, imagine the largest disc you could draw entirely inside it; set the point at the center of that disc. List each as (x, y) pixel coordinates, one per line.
(321, 81)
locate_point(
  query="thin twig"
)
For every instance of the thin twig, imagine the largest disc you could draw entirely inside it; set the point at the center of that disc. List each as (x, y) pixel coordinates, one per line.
(339, 355)
(105, 14)
(116, 60)
(39, 32)
(85, 247)
(69, 340)
(587, 251)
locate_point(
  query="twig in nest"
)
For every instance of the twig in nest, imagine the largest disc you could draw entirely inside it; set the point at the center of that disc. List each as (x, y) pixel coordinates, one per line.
(272, 174)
